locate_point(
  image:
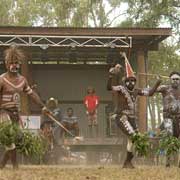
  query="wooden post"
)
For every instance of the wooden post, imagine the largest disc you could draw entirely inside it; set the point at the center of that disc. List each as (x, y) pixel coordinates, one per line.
(142, 102)
(25, 109)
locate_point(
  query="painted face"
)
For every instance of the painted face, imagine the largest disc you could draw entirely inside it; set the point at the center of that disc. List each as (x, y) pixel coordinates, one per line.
(117, 68)
(175, 80)
(70, 112)
(130, 83)
(13, 66)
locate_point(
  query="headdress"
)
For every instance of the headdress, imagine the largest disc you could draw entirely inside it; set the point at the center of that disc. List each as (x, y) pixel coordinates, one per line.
(13, 54)
(129, 70)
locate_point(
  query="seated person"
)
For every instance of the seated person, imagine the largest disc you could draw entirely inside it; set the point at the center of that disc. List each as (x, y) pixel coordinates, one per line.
(47, 133)
(69, 121)
(52, 105)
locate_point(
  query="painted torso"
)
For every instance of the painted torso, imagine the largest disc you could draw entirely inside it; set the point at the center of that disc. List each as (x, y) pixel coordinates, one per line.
(11, 89)
(127, 100)
(171, 97)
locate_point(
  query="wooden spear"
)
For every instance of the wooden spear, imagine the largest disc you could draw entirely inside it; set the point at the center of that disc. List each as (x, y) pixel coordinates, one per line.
(49, 114)
(147, 74)
(123, 54)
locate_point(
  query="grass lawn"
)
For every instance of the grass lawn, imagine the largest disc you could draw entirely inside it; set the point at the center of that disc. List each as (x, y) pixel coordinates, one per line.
(90, 173)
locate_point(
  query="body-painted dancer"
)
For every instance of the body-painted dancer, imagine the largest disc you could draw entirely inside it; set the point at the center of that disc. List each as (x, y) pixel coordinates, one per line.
(12, 85)
(171, 106)
(125, 110)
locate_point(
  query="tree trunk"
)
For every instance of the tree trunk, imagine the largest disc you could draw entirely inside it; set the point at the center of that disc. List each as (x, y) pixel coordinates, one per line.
(152, 114)
(159, 111)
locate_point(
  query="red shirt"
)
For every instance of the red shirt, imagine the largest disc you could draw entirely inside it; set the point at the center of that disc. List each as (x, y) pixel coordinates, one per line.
(91, 102)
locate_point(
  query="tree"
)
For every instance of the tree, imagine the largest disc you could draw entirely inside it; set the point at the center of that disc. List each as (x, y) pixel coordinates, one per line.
(63, 13)
(150, 13)
(6, 12)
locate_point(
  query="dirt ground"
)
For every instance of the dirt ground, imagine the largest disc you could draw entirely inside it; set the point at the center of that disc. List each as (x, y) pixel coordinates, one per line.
(90, 173)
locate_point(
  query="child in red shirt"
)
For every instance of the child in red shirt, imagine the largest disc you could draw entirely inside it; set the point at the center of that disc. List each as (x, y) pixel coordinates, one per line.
(91, 102)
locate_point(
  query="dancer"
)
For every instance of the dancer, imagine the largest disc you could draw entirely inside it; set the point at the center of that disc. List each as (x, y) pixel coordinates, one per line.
(125, 110)
(12, 85)
(171, 107)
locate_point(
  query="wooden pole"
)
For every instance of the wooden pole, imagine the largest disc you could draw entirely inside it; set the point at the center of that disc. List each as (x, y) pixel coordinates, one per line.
(142, 102)
(25, 109)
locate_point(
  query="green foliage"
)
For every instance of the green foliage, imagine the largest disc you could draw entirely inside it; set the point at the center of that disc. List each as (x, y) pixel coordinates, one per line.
(169, 144)
(8, 133)
(150, 13)
(76, 13)
(26, 142)
(31, 145)
(85, 13)
(141, 143)
(165, 60)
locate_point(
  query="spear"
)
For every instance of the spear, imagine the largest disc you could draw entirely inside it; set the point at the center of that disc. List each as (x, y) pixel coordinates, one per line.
(123, 54)
(49, 114)
(148, 74)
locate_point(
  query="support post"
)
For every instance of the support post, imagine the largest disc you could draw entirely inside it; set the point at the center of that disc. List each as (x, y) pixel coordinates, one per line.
(142, 101)
(25, 109)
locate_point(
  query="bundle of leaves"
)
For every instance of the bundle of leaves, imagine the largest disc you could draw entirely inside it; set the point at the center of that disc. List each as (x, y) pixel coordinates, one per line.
(26, 142)
(141, 143)
(169, 144)
(8, 133)
(30, 144)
